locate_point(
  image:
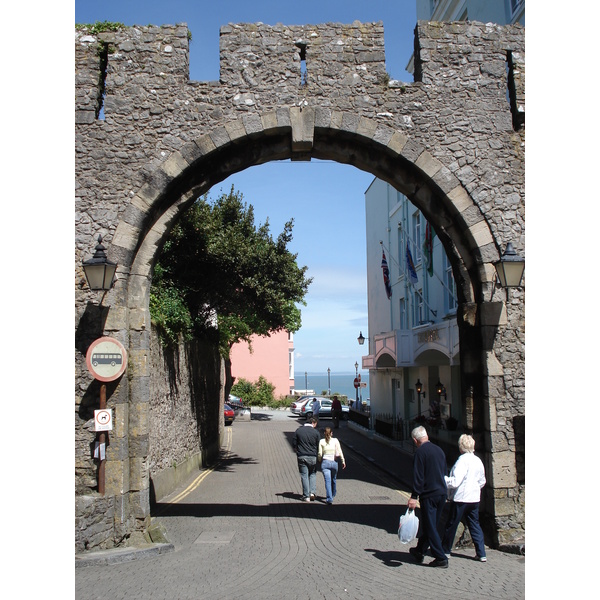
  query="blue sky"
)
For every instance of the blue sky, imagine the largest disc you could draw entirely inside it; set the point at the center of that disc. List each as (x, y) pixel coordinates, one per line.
(325, 199)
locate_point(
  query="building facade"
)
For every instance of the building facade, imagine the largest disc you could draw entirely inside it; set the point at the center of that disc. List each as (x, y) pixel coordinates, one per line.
(270, 356)
(413, 353)
(502, 12)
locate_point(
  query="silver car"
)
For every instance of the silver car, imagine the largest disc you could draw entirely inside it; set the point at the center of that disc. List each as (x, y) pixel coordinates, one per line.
(297, 405)
(324, 412)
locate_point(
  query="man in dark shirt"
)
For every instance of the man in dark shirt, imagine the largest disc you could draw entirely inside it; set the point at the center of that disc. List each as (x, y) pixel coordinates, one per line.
(429, 486)
(306, 443)
(336, 411)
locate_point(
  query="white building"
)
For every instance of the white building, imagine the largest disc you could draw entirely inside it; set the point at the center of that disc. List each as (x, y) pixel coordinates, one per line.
(413, 336)
(502, 12)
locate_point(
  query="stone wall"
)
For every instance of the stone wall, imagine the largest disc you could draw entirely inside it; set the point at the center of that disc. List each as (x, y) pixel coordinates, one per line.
(451, 141)
(185, 430)
(186, 423)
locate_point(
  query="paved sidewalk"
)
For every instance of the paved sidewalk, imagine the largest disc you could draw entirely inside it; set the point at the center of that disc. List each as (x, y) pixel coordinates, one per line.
(240, 531)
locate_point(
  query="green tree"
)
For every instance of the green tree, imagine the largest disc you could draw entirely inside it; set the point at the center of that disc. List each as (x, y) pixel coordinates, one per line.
(228, 273)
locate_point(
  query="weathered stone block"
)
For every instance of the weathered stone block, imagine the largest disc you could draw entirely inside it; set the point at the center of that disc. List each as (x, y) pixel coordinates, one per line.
(503, 469)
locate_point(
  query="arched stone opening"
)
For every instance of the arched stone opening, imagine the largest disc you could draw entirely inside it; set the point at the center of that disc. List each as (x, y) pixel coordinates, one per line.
(206, 161)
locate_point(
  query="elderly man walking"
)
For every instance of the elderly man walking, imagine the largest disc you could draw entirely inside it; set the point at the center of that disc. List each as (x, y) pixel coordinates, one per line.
(429, 486)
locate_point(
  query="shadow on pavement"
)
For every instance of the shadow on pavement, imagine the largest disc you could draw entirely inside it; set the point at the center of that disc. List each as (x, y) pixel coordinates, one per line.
(379, 516)
(391, 558)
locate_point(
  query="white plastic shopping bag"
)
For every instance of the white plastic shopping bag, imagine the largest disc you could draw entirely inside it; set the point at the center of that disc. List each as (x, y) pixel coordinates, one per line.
(408, 526)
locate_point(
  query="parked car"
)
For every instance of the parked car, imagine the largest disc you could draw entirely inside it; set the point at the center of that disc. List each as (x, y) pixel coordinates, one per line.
(228, 414)
(325, 412)
(297, 405)
(235, 402)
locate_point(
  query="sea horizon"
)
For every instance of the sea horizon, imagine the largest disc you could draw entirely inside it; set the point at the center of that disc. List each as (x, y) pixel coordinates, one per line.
(341, 383)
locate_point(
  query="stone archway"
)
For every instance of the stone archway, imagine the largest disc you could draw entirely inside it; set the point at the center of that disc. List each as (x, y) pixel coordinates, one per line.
(202, 163)
(457, 201)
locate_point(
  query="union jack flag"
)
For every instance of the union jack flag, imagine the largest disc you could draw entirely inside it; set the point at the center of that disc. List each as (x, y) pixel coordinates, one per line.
(386, 275)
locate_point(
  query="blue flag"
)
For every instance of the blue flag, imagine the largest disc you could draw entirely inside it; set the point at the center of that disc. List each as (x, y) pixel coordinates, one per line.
(386, 276)
(410, 266)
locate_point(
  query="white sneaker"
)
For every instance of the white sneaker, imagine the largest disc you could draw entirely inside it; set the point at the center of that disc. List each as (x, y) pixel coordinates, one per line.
(481, 558)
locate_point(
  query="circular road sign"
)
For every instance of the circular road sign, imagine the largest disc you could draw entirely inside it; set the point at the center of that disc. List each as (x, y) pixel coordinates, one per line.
(356, 382)
(106, 359)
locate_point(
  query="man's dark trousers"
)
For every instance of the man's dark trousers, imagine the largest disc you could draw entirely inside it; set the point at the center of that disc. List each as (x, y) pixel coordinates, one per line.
(431, 512)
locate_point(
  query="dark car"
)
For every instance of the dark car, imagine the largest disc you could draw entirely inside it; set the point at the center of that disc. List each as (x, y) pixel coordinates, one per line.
(235, 402)
(228, 414)
(325, 411)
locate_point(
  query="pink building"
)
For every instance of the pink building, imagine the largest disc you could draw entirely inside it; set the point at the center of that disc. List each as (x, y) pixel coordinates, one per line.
(272, 357)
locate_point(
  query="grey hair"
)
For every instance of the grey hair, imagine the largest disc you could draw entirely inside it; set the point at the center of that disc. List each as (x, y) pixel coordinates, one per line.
(466, 443)
(418, 433)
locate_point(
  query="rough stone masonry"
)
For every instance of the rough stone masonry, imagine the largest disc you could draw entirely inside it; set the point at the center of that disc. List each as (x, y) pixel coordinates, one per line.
(149, 141)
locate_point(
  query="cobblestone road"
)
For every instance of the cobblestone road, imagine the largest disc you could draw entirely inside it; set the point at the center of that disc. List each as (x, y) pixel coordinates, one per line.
(241, 532)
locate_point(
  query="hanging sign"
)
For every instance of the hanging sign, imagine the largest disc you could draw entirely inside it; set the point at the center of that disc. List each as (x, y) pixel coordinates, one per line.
(106, 359)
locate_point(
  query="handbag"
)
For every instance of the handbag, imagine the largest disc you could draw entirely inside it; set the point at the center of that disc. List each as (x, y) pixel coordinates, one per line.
(408, 526)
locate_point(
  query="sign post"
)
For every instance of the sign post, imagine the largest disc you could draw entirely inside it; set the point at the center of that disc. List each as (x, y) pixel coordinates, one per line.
(106, 360)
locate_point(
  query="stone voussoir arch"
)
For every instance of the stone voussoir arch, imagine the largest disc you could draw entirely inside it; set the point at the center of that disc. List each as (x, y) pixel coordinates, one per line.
(287, 133)
(319, 133)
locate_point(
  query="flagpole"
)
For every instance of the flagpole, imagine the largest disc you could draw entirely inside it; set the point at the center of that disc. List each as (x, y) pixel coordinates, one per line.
(408, 281)
(403, 269)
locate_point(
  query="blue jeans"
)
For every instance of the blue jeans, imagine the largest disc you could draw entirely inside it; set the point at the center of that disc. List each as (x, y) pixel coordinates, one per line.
(470, 512)
(307, 465)
(330, 471)
(431, 511)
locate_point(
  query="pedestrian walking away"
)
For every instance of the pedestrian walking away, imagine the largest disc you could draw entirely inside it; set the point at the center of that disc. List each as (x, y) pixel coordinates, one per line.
(429, 486)
(336, 411)
(316, 407)
(306, 444)
(330, 450)
(465, 481)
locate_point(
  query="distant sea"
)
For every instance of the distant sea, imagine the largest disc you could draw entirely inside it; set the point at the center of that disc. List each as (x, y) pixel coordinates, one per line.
(340, 383)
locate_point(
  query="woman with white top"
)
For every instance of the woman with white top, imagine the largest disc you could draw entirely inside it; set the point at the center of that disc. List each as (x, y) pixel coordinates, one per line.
(329, 451)
(465, 481)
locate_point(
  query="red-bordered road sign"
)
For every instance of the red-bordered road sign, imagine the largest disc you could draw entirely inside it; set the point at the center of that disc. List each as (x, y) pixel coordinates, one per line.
(106, 359)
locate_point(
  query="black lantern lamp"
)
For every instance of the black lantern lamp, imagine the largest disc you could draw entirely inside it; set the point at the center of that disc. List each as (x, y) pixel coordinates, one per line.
(361, 339)
(99, 271)
(440, 389)
(419, 386)
(510, 268)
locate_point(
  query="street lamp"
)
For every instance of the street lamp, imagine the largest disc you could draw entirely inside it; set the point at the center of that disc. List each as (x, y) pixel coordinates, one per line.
(419, 388)
(328, 381)
(510, 268)
(361, 339)
(356, 381)
(99, 271)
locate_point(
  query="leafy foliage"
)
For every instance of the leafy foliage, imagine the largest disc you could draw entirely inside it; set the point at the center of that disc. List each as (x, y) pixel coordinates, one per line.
(170, 314)
(259, 393)
(227, 273)
(99, 27)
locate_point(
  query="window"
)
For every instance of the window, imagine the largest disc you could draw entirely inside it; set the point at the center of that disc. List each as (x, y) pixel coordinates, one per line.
(403, 315)
(515, 6)
(449, 286)
(418, 308)
(416, 231)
